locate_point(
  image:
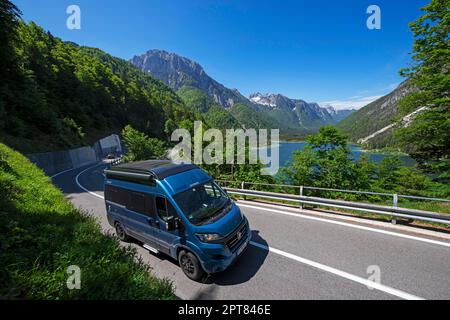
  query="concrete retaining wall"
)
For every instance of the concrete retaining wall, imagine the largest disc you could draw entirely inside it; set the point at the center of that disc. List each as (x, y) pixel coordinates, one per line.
(54, 162)
(83, 156)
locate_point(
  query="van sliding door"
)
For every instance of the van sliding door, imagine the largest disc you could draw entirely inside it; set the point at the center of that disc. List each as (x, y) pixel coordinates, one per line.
(141, 217)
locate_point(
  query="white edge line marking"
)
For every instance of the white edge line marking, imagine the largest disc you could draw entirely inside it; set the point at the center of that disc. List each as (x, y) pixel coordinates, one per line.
(79, 184)
(343, 274)
(57, 174)
(395, 234)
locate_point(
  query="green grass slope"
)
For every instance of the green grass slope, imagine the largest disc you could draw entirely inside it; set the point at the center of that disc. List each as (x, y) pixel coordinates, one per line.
(42, 234)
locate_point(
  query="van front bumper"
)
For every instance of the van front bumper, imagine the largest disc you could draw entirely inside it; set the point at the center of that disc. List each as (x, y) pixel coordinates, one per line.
(220, 263)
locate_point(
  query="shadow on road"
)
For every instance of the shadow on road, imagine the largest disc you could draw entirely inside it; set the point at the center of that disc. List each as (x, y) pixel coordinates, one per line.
(245, 267)
(242, 271)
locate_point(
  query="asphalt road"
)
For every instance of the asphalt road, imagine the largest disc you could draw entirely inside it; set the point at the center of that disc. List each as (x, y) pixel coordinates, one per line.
(297, 256)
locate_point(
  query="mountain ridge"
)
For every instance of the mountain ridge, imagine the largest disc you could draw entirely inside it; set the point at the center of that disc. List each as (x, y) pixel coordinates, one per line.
(311, 111)
(177, 71)
(278, 110)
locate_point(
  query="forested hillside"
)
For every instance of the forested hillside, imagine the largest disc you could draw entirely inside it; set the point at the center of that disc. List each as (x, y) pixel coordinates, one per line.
(375, 116)
(57, 95)
(237, 116)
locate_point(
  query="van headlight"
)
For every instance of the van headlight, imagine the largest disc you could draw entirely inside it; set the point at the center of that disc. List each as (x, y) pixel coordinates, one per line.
(208, 237)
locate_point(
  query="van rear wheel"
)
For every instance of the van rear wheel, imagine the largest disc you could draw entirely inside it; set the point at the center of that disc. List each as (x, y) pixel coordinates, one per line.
(190, 265)
(121, 234)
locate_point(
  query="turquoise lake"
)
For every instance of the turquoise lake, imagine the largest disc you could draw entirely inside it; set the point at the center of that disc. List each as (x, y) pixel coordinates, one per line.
(287, 148)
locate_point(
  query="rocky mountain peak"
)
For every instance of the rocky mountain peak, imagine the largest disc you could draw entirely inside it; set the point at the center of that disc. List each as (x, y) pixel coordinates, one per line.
(177, 71)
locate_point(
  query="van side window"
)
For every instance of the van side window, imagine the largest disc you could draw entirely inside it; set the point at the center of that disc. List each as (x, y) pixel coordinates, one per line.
(137, 202)
(141, 203)
(116, 195)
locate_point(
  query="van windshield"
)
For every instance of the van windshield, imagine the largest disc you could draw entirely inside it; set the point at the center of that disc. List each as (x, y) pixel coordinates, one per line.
(204, 203)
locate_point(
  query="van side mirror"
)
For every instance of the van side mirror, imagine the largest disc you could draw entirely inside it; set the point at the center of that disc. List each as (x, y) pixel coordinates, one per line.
(172, 223)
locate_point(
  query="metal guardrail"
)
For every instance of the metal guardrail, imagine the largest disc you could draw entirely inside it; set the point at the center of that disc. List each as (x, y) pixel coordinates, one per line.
(392, 195)
(393, 211)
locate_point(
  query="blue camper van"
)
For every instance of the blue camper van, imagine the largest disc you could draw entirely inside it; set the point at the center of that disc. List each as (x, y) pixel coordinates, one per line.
(178, 210)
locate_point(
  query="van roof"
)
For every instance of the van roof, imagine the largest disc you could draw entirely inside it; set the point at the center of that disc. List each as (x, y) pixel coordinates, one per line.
(158, 169)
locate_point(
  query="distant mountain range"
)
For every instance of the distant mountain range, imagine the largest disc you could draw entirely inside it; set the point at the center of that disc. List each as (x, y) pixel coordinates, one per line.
(304, 114)
(273, 110)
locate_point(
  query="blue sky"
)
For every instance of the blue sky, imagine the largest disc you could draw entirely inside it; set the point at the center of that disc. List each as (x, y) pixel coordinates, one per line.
(318, 51)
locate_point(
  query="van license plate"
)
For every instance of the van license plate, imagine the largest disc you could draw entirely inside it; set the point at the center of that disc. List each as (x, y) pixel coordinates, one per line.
(241, 248)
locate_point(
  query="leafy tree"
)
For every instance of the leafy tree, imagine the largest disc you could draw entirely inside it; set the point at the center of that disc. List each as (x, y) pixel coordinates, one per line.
(141, 147)
(392, 176)
(364, 173)
(9, 72)
(9, 20)
(427, 139)
(388, 173)
(252, 173)
(324, 162)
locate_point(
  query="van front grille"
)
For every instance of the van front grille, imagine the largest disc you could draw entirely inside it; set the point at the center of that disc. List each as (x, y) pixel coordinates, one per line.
(237, 237)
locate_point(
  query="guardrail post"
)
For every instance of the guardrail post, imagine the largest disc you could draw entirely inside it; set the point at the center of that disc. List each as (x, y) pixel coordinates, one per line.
(301, 194)
(243, 188)
(395, 205)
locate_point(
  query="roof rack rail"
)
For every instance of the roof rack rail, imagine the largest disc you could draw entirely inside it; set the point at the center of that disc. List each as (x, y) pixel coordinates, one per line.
(148, 170)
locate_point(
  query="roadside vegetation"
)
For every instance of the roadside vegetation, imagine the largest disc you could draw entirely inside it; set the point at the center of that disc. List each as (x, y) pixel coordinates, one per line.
(140, 146)
(42, 234)
(326, 162)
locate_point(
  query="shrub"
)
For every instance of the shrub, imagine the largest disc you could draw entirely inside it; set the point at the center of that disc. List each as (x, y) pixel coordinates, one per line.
(141, 147)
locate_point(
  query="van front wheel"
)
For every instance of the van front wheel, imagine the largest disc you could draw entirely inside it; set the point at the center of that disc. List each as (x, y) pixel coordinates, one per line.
(120, 231)
(190, 265)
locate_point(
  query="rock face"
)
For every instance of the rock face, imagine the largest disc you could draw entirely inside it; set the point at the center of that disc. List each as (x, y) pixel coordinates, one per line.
(177, 71)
